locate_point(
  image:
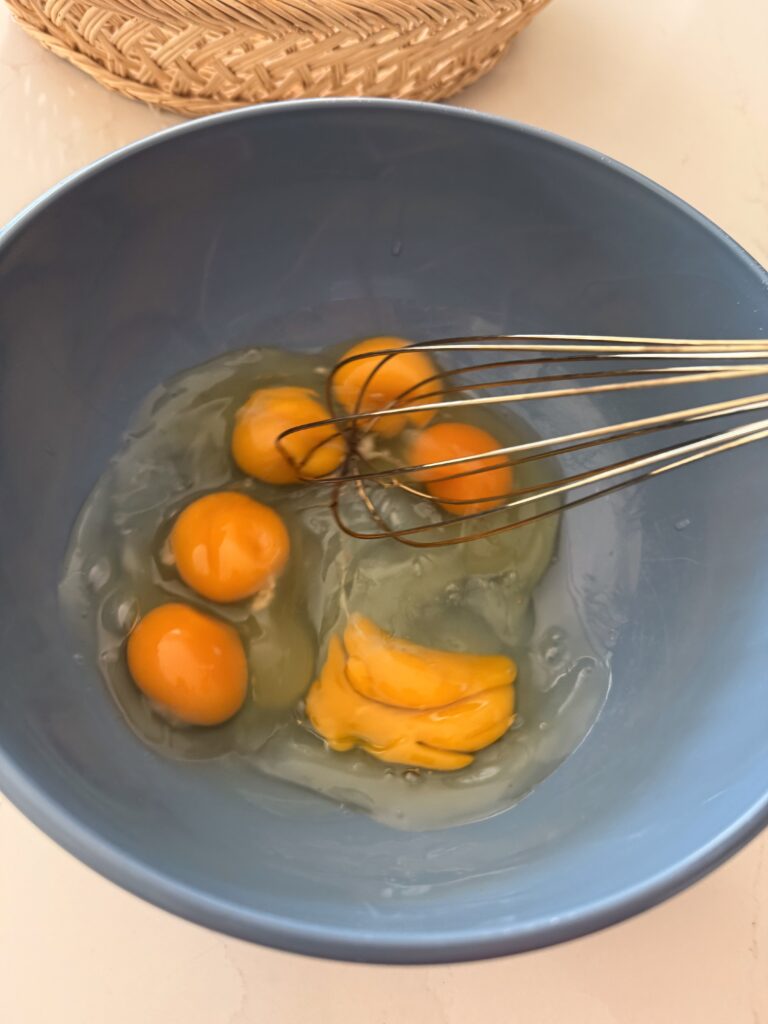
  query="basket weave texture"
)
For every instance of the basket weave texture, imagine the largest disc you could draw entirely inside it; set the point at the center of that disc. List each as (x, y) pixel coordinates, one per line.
(200, 56)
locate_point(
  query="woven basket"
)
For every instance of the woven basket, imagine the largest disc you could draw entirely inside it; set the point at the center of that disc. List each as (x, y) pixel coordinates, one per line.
(200, 56)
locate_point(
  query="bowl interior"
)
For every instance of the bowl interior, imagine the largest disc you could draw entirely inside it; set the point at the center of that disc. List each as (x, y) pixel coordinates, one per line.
(297, 226)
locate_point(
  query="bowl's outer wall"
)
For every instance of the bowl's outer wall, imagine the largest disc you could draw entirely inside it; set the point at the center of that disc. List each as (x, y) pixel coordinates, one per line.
(298, 226)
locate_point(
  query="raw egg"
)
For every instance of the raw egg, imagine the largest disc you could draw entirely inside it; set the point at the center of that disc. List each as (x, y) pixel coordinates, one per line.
(369, 385)
(416, 718)
(227, 546)
(467, 487)
(399, 704)
(407, 675)
(311, 454)
(189, 664)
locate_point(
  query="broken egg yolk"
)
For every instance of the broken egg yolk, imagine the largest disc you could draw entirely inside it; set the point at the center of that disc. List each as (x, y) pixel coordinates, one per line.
(431, 709)
(398, 672)
(228, 547)
(370, 385)
(477, 485)
(191, 665)
(312, 453)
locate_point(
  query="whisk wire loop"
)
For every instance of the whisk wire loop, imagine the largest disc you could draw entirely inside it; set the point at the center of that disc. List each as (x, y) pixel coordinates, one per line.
(535, 368)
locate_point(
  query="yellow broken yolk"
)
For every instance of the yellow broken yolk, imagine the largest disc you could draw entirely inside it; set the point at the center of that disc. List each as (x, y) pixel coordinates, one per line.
(406, 675)
(312, 453)
(465, 702)
(369, 385)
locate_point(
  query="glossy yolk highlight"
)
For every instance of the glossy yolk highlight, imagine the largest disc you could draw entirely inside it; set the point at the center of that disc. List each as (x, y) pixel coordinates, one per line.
(388, 380)
(228, 547)
(403, 729)
(460, 489)
(190, 664)
(312, 453)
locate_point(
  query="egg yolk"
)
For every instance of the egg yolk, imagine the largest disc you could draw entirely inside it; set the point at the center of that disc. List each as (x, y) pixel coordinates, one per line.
(190, 664)
(461, 489)
(228, 547)
(397, 672)
(369, 385)
(400, 726)
(312, 453)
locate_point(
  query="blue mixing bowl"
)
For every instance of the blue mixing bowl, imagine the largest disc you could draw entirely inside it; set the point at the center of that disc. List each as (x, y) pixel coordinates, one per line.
(298, 225)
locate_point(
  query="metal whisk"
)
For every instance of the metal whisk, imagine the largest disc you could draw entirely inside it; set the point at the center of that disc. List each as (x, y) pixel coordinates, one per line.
(525, 368)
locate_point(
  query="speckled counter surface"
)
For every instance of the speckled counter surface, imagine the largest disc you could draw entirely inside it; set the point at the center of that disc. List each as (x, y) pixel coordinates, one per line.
(677, 90)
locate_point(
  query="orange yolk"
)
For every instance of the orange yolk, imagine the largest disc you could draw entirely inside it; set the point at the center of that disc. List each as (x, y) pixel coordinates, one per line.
(406, 675)
(228, 547)
(438, 724)
(312, 453)
(368, 385)
(468, 491)
(190, 664)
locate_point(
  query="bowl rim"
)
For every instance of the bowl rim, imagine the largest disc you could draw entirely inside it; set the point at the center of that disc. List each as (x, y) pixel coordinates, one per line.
(301, 936)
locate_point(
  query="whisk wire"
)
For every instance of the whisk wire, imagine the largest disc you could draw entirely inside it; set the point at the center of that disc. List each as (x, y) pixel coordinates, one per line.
(457, 388)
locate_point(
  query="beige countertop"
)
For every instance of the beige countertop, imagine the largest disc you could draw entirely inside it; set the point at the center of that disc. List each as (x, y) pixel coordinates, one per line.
(677, 90)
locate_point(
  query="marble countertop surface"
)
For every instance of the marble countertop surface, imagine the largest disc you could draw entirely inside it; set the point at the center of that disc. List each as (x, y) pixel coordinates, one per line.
(678, 91)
